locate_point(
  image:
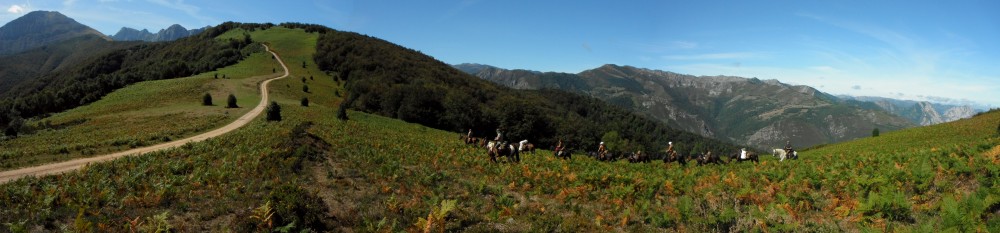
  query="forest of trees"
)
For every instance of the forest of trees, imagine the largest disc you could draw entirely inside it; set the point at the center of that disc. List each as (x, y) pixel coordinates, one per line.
(88, 81)
(394, 81)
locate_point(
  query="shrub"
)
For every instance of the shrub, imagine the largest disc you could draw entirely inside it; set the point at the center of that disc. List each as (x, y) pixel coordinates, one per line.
(273, 112)
(875, 132)
(206, 100)
(305, 102)
(305, 88)
(231, 102)
(890, 205)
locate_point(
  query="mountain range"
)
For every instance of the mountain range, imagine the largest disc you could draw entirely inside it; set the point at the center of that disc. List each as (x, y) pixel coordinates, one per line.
(919, 112)
(171, 33)
(760, 113)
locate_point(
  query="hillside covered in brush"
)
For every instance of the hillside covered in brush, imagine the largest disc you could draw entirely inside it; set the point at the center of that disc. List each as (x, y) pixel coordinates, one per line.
(397, 82)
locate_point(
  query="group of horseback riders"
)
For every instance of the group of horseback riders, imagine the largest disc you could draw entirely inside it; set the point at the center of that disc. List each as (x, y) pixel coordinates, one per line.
(499, 147)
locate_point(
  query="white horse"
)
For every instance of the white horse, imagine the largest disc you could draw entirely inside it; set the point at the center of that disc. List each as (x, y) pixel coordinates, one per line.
(781, 154)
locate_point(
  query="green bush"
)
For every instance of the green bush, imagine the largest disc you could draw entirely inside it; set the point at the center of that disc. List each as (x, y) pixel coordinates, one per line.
(273, 111)
(891, 205)
(875, 132)
(957, 216)
(292, 204)
(206, 100)
(231, 102)
(305, 102)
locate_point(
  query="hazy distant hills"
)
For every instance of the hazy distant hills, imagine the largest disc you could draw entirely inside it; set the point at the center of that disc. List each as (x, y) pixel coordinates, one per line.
(171, 33)
(918, 112)
(761, 113)
(40, 28)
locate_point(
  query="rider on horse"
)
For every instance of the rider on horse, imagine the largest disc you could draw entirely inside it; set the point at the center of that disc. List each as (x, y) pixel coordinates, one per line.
(602, 150)
(788, 147)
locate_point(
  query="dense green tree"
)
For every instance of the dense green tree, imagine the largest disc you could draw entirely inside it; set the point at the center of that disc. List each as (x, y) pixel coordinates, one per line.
(231, 102)
(14, 127)
(273, 111)
(206, 100)
(875, 132)
(305, 102)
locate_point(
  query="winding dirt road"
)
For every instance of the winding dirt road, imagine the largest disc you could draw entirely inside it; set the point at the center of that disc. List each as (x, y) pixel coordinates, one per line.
(61, 167)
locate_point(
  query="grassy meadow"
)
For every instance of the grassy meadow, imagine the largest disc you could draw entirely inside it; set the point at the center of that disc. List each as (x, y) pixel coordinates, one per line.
(375, 174)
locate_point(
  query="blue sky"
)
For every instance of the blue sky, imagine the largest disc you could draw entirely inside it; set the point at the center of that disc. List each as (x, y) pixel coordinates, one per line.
(944, 51)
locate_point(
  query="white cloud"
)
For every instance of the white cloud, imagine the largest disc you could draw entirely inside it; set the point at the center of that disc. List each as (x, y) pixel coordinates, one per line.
(15, 9)
(826, 69)
(189, 9)
(68, 3)
(711, 56)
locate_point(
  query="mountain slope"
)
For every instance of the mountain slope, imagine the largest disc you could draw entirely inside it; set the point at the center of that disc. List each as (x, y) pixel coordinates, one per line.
(746, 111)
(87, 81)
(40, 28)
(34, 63)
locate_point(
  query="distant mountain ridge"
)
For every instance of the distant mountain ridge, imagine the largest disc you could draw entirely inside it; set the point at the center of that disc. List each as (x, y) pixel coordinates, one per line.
(762, 113)
(171, 33)
(40, 28)
(919, 112)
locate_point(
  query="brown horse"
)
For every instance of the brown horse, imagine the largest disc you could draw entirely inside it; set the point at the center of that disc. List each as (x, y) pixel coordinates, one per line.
(709, 158)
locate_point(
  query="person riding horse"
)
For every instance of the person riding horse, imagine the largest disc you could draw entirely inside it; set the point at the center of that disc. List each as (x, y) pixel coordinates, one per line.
(602, 151)
(788, 148)
(670, 150)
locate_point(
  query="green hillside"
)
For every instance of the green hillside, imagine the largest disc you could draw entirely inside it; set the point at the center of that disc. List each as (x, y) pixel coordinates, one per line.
(376, 174)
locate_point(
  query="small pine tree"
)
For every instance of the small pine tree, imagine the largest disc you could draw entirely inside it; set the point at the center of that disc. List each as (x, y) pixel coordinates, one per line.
(342, 110)
(311, 77)
(303, 64)
(206, 100)
(14, 127)
(305, 88)
(875, 132)
(216, 75)
(231, 102)
(273, 70)
(305, 102)
(303, 79)
(273, 112)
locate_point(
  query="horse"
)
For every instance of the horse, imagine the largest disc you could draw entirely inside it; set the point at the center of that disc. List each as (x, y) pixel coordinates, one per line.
(673, 156)
(750, 157)
(638, 158)
(562, 154)
(781, 154)
(526, 146)
(499, 149)
(709, 158)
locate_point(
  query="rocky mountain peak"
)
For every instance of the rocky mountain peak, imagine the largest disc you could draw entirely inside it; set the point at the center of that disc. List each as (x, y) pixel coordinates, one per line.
(40, 28)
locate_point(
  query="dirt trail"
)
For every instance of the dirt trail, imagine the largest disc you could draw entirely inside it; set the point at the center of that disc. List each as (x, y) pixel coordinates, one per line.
(65, 166)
